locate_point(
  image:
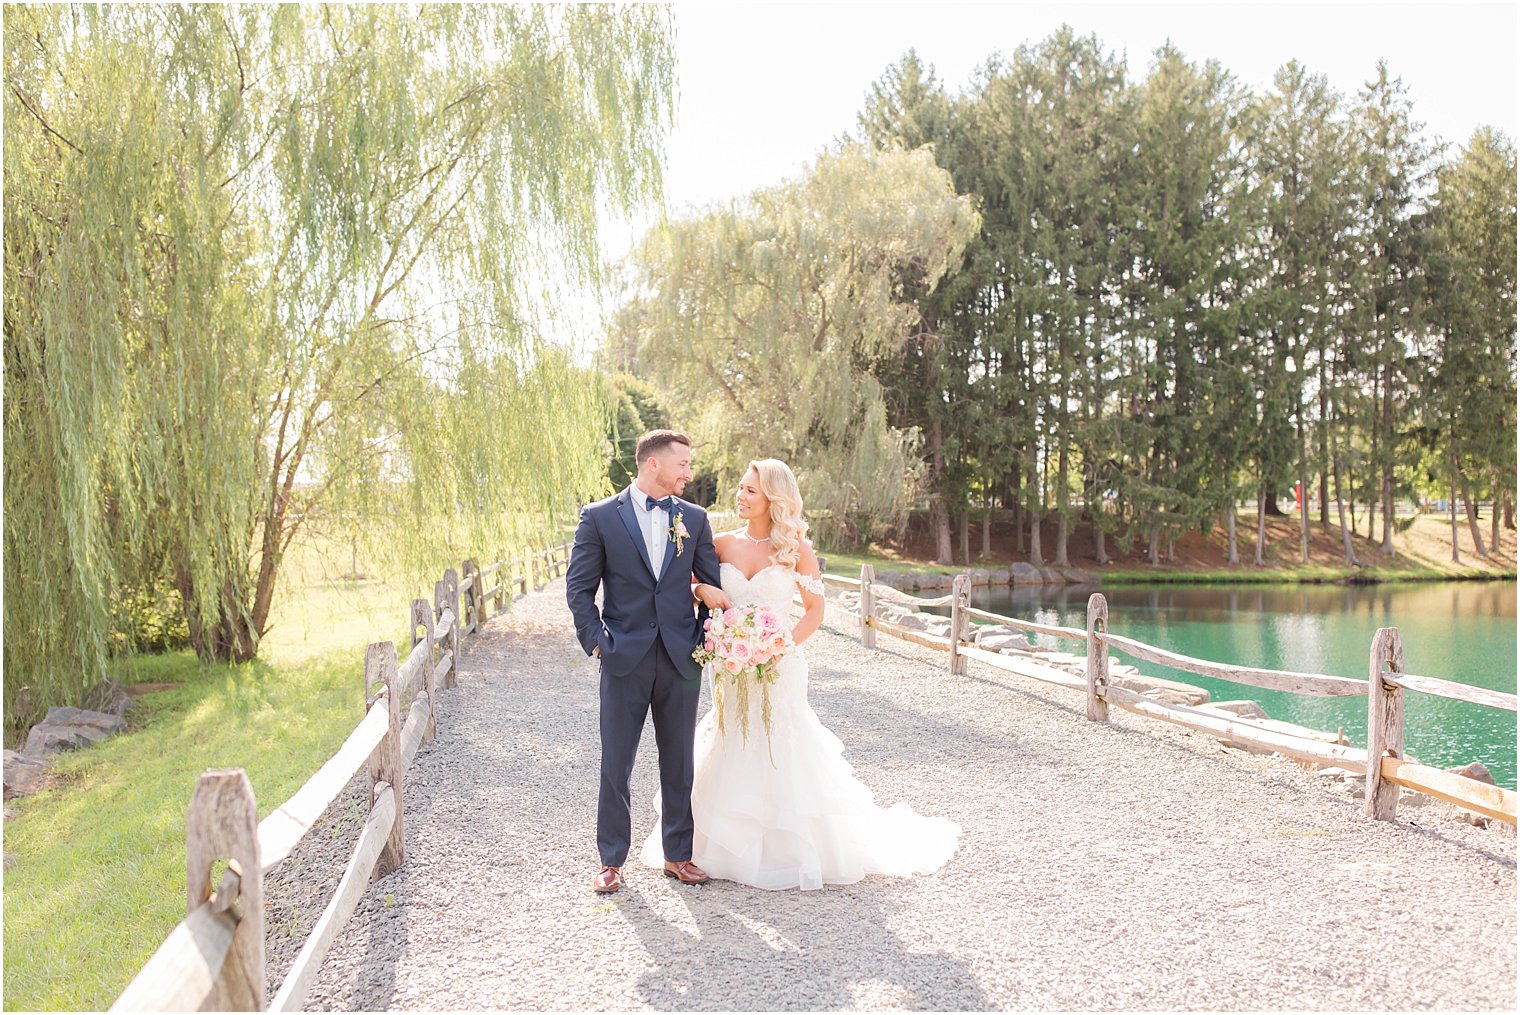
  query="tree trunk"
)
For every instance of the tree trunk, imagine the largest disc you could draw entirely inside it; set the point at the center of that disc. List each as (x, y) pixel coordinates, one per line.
(1063, 501)
(1472, 520)
(941, 522)
(1268, 501)
(1324, 448)
(1153, 549)
(938, 508)
(227, 636)
(987, 533)
(965, 514)
(1229, 525)
(1303, 489)
(1371, 501)
(1387, 547)
(1035, 557)
(1493, 541)
(1261, 528)
(1100, 539)
(1017, 502)
(1509, 511)
(1303, 517)
(1456, 550)
(1340, 506)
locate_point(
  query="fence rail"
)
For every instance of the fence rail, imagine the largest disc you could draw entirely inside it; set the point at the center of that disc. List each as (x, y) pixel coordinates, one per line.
(1382, 762)
(214, 958)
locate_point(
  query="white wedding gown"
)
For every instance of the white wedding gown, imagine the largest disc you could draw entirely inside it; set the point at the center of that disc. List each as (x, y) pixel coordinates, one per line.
(801, 820)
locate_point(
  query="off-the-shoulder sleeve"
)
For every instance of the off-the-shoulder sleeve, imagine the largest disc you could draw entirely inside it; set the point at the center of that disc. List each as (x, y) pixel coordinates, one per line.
(809, 583)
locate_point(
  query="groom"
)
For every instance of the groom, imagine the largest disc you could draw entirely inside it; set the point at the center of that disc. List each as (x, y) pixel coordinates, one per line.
(642, 547)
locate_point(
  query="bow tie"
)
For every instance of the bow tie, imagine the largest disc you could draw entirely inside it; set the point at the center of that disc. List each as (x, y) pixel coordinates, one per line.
(664, 503)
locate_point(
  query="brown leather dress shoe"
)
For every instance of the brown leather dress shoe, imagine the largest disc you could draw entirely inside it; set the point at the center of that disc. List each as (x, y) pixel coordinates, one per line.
(686, 872)
(609, 880)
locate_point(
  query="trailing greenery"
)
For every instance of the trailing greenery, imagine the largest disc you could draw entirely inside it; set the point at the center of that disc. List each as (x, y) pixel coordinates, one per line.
(757, 318)
(268, 265)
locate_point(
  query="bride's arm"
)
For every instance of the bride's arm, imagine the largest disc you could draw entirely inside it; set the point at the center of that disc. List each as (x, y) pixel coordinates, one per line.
(812, 602)
(704, 578)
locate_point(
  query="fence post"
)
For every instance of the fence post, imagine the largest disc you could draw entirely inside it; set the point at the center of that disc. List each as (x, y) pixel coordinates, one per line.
(446, 597)
(451, 602)
(1097, 658)
(478, 594)
(960, 598)
(503, 574)
(422, 616)
(867, 606)
(223, 824)
(385, 762)
(1385, 722)
(467, 573)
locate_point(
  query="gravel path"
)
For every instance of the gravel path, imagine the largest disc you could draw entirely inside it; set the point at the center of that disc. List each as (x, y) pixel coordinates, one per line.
(1133, 866)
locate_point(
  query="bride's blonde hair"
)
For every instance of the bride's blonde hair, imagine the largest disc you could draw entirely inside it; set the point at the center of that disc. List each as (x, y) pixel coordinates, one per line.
(787, 525)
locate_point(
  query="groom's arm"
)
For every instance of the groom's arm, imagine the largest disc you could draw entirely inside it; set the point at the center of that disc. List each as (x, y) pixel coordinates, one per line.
(705, 564)
(582, 578)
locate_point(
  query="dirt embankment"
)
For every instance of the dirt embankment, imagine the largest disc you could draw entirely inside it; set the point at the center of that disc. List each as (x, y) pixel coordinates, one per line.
(1422, 543)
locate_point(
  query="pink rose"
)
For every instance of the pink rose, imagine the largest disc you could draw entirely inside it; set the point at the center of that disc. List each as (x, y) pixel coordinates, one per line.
(741, 652)
(730, 616)
(732, 665)
(708, 645)
(778, 643)
(762, 657)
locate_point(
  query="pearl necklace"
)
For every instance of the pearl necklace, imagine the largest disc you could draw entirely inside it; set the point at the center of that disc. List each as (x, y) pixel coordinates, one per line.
(744, 534)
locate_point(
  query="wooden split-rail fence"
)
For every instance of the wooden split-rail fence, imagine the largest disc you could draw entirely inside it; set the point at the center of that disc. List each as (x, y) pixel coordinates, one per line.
(1383, 761)
(214, 959)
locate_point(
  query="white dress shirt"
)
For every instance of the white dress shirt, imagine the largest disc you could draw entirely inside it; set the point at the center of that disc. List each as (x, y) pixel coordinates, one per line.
(654, 524)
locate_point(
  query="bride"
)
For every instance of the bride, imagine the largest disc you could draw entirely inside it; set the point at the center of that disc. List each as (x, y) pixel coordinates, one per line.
(782, 809)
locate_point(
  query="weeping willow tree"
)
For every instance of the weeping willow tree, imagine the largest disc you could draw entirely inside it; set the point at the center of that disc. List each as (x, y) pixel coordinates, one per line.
(270, 264)
(756, 321)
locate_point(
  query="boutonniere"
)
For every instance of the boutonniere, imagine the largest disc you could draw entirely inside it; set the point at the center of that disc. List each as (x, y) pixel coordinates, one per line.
(678, 533)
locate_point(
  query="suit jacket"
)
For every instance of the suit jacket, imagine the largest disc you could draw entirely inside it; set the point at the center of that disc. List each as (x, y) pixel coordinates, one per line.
(609, 552)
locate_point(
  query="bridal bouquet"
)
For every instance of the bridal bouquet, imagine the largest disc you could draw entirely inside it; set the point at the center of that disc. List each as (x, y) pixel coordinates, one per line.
(742, 646)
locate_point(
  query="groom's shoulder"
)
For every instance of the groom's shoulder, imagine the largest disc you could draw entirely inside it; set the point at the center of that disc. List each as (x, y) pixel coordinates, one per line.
(600, 506)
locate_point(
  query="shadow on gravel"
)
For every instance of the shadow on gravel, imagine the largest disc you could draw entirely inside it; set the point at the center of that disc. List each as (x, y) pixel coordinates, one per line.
(1506, 862)
(831, 949)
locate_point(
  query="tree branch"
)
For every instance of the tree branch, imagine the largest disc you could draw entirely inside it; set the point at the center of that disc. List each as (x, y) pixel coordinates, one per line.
(40, 119)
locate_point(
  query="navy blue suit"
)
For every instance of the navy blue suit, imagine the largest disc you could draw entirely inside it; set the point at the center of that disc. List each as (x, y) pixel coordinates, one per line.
(646, 630)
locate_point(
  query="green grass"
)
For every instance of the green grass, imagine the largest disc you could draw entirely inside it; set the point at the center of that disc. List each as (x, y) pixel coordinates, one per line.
(848, 564)
(97, 873)
(1247, 574)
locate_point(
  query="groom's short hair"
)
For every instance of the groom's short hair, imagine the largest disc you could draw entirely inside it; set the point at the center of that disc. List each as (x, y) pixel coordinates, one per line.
(656, 441)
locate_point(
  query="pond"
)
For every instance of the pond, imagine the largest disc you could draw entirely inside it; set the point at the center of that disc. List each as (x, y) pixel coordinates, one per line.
(1462, 631)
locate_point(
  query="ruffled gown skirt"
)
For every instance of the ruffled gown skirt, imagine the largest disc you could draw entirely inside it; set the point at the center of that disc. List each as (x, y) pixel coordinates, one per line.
(788, 812)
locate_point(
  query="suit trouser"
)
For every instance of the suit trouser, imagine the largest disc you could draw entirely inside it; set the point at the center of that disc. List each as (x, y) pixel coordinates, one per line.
(655, 684)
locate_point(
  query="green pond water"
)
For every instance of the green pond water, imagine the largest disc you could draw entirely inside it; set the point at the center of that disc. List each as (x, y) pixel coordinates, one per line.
(1462, 631)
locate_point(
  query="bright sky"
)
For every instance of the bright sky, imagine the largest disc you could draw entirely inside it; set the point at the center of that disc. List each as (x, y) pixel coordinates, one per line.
(763, 87)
